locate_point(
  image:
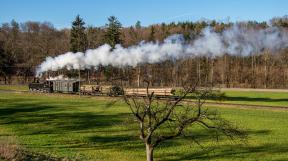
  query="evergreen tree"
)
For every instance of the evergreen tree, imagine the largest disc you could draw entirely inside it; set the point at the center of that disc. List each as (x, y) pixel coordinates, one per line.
(6, 63)
(164, 30)
(152, 34)
(15, 29)
(113, 33)
(78, 38)
(138, 25)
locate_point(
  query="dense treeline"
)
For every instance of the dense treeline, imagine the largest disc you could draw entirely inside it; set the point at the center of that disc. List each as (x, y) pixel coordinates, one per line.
(23, 46)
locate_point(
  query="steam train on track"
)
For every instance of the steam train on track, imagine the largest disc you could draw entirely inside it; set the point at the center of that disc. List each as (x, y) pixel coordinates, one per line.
(71, 86)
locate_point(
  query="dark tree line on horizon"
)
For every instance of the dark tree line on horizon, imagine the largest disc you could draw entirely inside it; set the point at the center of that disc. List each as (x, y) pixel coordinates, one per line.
(23, 46)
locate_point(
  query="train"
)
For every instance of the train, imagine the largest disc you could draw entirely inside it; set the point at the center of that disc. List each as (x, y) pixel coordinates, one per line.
(71, 86)
(50, 86)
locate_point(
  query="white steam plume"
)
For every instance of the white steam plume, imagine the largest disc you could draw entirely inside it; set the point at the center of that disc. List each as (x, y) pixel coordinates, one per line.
(233, 41)
(59, 77)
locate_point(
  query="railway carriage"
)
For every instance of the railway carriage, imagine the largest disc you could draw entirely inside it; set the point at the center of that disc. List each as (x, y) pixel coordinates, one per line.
(66, 86)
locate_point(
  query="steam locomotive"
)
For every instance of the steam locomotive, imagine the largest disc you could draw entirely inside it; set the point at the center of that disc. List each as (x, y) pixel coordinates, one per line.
(49, 86)
(46, 86)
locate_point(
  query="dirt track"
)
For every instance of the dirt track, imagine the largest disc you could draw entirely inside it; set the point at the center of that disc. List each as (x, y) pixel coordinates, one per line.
(253, 89)
(218, 104)
(11, 91)
(245, 106)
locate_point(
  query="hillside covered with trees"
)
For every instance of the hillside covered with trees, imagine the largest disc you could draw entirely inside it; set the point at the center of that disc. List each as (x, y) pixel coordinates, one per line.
(23, 46)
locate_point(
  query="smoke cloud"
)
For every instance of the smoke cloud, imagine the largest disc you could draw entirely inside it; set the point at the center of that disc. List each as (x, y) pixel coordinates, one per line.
(60, 77)
(233, 41)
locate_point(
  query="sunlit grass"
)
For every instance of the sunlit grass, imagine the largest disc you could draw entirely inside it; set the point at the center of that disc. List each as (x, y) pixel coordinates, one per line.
(14, 87)
(88, 128)
(265, 98)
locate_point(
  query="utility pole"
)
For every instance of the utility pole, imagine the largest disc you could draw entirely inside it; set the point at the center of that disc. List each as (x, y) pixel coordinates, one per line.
(88, 75)
(79, 74)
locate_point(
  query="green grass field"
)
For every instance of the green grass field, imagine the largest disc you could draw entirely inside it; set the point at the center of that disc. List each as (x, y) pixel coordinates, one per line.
(231, 96)
(92, 129)
(14, 87)
(257, 98)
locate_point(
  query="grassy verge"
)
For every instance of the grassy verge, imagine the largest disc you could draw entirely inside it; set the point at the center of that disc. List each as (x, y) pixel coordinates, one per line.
(90, 129)
(14, 87)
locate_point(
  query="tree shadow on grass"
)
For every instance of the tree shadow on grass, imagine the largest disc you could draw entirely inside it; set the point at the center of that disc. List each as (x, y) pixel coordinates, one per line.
(119, 142)
(259, 99)
(62, 121)
(7, 112)
(132, 142)
(57, 119)
(229, 151)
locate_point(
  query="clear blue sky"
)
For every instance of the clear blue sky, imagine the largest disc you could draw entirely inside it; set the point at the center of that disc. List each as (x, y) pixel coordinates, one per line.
(95, 12)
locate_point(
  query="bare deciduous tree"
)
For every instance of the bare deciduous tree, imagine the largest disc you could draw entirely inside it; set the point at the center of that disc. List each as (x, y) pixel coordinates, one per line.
(165, 119)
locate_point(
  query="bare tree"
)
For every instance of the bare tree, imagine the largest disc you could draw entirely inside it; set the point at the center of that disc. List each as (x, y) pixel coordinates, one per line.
(160, 120)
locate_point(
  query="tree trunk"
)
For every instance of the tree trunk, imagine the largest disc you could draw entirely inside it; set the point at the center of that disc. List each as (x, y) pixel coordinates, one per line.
(223, 71)
(138, 77)
(199, 70)
(253, 72)
(226, 76)
(265, 71)
(212, 72)
(5, 80)
(149, 152)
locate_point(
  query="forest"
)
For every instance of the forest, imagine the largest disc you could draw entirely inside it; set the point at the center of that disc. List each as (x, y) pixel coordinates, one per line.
(23, 46)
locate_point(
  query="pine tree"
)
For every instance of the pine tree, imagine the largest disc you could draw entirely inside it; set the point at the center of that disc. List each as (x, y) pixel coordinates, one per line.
(6, 63)
(113, 33)
(152, 34)
(138, 25)
(78, 37)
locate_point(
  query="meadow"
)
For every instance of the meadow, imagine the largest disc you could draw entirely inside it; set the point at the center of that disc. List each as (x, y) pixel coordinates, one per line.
(14, 87)
(256, 98)
(92, 128)
(264, 98)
